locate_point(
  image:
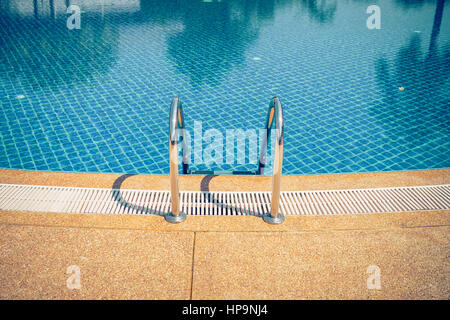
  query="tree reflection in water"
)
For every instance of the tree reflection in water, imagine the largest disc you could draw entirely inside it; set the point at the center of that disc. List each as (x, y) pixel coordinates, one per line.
(423, 75)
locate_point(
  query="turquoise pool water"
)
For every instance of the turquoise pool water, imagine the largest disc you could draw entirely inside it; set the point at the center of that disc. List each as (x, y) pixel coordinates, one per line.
(97, 99)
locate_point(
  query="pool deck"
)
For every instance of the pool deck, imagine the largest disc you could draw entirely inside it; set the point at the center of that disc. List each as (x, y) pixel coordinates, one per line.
(228, 257)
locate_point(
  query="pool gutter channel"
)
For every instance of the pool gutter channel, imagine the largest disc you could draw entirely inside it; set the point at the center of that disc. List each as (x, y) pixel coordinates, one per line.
(36, 198)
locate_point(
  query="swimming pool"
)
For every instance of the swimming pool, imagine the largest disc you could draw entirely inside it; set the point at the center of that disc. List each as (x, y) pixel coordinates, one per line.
(97, 99)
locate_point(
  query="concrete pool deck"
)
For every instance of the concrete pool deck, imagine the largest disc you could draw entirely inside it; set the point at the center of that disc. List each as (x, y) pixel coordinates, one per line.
(226, 257)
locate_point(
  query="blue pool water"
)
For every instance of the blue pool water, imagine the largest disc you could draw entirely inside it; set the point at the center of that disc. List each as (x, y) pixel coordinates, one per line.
(97, 99)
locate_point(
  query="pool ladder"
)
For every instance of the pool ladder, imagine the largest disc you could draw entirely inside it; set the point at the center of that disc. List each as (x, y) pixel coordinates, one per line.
(274, 120)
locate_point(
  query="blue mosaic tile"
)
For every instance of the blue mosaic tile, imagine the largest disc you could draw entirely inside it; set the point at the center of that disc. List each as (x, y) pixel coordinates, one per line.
(97, 99)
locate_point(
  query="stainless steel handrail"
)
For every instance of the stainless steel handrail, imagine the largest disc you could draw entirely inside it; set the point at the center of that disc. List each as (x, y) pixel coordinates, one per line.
(176, 121)
(274, 120)
(274, 116)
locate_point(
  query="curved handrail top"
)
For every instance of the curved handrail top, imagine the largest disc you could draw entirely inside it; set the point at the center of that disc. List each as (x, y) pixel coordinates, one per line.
(174, 121)
(277, 116)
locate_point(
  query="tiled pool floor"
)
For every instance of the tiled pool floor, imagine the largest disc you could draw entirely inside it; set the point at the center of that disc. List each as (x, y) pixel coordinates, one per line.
(97, 99)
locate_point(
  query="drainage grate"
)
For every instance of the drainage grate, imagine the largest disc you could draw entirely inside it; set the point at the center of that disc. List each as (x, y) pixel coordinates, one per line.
(126, 201)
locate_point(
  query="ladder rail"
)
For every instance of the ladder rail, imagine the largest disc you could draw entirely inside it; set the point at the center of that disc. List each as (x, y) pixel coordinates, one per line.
(176, 122)
(274, 122)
